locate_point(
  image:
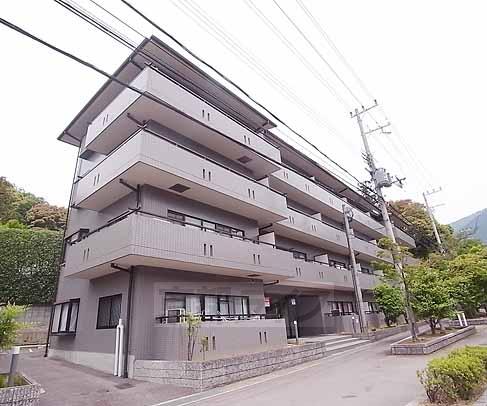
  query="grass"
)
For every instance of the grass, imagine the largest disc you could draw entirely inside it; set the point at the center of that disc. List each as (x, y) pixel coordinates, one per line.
(18, 380)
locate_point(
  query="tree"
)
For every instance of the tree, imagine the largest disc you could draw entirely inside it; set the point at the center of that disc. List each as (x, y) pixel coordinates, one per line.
(397, 277)
(44, 215)
(29, 262)
(15, 202)
(390, 301)
(420, 227)
(9, 324)
(468, 278)
(193, 323)
(431, 294)
(7, 199)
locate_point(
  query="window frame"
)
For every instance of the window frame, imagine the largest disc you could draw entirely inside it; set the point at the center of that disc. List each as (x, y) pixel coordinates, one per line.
(109, 326)
(182, 219)
(219, 299)
(66, 331)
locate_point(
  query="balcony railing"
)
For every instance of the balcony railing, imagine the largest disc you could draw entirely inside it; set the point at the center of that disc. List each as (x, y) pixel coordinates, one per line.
(216, 317)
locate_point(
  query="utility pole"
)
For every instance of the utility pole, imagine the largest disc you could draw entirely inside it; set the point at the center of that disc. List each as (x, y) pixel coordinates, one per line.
(429, 209)
(347, 219)
(380, 179)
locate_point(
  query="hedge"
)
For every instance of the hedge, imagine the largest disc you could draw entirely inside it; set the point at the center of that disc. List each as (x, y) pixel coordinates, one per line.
(29, 263)
(456, 376)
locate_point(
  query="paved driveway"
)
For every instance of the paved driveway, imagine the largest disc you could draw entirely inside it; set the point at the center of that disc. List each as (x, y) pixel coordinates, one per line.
(72, 385)
(365, 376)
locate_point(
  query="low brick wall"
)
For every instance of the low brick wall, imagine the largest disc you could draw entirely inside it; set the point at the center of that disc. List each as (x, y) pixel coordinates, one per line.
(208, 374)
(25, 395)
(404, 348)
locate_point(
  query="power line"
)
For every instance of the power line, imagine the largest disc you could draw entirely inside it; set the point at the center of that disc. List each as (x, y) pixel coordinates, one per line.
(294, 50)
(420, 169)
(334, 47)
(320, 55)
(209, 25)
(274, 116)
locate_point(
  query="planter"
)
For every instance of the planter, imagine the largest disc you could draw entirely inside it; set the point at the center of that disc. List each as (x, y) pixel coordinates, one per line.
(404, 347)
(23, 395)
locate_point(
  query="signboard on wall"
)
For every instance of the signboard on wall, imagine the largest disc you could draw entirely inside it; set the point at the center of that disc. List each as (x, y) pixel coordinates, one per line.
(267, 301)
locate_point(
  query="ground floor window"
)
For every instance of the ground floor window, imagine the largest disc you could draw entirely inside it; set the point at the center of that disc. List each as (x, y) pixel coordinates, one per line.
(109, 311)
(373, 307)
(341, 308)
(209, 305)
(65, 317)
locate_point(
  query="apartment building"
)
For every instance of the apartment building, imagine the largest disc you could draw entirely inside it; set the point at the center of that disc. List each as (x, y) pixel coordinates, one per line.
(184, 200)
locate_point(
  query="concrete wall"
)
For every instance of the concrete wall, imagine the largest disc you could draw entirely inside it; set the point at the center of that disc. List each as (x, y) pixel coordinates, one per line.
(158, 201)
(225, 338)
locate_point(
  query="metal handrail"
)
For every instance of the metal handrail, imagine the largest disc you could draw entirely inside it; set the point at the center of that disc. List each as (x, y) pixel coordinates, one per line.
(217, 317)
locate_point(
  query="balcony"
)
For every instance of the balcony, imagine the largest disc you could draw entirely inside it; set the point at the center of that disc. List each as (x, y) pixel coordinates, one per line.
(185, 113)
(310, 274)
(403, 238)
(147, 158)
(316, 197)
(313, 231)
(142, 239)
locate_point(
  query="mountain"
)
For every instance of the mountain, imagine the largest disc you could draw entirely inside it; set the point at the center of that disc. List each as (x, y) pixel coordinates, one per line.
(476, 223)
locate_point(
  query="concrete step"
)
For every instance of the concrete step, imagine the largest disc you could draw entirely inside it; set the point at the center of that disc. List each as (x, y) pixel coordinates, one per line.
(344, 345)
(328, 339)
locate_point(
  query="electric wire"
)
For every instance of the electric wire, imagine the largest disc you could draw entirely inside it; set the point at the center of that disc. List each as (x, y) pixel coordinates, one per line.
(231, 44)
(274, 116)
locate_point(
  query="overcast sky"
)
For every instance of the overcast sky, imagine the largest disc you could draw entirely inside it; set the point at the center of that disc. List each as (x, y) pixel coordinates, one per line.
(422, 60)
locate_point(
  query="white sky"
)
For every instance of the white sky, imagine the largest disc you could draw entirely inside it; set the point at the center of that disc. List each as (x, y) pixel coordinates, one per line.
(422, 60)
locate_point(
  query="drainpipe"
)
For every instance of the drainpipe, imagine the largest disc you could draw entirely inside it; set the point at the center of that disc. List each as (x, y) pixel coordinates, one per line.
(128, 311)
(127, 323)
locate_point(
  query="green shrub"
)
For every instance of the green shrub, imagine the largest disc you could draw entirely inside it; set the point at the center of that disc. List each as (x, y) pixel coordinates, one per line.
(456, 376)
(9, 324)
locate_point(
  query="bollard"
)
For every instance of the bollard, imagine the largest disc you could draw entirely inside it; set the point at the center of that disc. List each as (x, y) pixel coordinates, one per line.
(13, 365)
(295, 322)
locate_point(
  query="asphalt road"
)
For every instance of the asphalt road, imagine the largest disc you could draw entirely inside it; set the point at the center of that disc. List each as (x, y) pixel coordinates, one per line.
(368, 375)
(364, 376)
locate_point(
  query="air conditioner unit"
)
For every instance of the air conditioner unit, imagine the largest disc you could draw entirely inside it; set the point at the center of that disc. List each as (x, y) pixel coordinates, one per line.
(175, 315)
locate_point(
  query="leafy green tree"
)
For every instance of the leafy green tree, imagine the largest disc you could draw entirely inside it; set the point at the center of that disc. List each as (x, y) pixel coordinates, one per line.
(390, 301)
(29, 262)
(421, 228)
(7, 199)
(468, 278)
(44, 215)
(15, 202)
(432, 295)
(9, 324)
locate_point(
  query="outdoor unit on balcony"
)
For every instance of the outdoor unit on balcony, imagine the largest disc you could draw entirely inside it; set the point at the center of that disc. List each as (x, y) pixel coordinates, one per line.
(175, 315)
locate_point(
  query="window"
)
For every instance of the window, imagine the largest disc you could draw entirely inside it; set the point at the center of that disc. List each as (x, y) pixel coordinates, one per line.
(65, 318)
(202, 223)
(299, 255)
(338, 264)
(109, 311)
(341, 308)
(180, 218)
(210, 305)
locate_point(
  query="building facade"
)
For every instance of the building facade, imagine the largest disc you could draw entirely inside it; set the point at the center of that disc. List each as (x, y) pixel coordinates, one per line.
(183, 201)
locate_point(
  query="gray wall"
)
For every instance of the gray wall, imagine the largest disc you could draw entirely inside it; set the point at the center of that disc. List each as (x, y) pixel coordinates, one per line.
(153, 283)
(158, 201)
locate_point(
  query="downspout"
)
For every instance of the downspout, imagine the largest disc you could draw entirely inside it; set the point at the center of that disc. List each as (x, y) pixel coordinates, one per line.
(127, 324)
